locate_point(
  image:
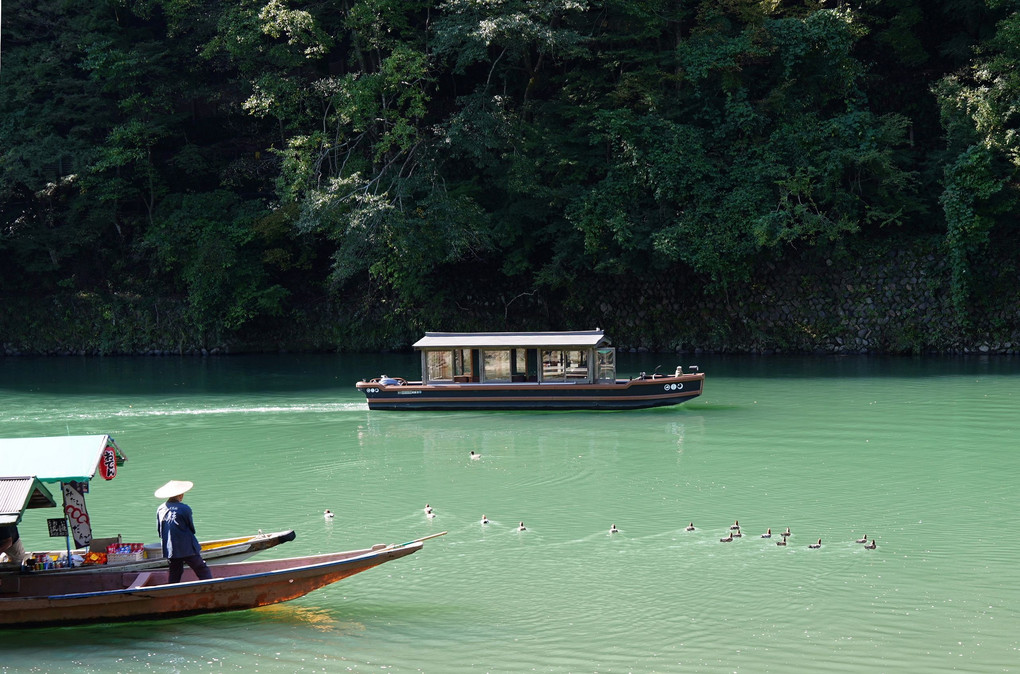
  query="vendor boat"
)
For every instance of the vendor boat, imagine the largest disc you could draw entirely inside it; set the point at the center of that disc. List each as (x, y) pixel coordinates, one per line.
(37, 600)
(32, 470)
(525, 371)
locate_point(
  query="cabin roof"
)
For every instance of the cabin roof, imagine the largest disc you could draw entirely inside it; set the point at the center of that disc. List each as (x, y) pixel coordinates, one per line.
(512, 340)
(55, 459)
(19, 493)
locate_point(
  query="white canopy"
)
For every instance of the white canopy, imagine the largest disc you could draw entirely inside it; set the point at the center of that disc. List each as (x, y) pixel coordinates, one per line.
(18, 493)
(56, 459)
(578, 339)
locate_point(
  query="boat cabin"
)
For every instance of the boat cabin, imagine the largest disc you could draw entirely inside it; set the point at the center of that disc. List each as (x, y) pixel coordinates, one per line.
(584, 356)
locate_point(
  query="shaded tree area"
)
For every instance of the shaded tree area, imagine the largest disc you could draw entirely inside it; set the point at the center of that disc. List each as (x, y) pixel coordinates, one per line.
(378, 165)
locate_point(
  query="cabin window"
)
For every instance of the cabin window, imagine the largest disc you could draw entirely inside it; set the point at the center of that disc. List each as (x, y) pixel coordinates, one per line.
(606, 359)
(504, 366)
(496, 366)
(448, 365)
(565, 365)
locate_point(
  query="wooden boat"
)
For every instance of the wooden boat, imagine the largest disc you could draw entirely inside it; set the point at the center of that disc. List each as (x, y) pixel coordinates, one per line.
(35, 599)
(525, 371)
(221, 551)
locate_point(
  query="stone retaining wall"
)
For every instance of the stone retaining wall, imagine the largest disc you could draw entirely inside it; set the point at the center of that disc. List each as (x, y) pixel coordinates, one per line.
(893, 301)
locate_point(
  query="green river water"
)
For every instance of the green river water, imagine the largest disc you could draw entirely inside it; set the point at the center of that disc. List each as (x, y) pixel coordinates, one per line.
(919, 454)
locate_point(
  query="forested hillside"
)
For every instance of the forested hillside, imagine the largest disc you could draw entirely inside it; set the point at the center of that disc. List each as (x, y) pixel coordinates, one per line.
(345, 173)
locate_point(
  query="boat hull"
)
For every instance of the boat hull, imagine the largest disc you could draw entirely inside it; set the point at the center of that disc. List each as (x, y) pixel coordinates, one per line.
(33, 600)
(646, 392)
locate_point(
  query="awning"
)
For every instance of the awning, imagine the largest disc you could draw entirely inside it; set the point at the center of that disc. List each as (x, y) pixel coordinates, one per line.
(56, 459)
(579, 339)
(19, 493)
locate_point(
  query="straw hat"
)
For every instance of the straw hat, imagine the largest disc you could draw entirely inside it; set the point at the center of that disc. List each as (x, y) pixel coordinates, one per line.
(173, 488)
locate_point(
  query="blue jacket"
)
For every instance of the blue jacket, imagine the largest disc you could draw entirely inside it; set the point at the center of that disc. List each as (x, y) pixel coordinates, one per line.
(177, 530)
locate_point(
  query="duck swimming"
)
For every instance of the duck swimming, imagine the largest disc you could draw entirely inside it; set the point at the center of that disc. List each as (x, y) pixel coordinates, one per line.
(787, 532)
(862, 540)
(521, 527)
(728, 539)
(781, 542)
(871, 545)
(430, 514)
(328, 514)
(485, 520)
(737, 534)
(614, 530)
(767, 534)
(690, 527)
(815, 546)
(475, 456)
(427, 508)
(736, 525)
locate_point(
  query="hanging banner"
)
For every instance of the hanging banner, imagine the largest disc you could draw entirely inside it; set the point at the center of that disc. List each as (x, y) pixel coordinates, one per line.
(108, 463)
(77, 515)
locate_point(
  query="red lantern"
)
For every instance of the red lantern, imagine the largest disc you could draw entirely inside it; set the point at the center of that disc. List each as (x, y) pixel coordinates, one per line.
(108, 463)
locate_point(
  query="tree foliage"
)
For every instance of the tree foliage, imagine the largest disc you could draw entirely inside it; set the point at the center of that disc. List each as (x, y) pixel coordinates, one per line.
(251, 155)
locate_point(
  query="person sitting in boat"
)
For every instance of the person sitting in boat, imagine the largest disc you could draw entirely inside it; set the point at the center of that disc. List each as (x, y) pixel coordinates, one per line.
(176, 530)
(11, 549)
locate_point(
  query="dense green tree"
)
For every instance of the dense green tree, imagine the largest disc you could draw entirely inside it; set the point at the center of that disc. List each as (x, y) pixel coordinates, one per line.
(980, 110)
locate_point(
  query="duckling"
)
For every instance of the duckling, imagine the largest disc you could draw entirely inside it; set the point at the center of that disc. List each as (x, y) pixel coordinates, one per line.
(871, 545)
(614, 530)
(781, 541)
(815, 546)
(690, 527)
(521, 527)
(728, 539)
(767, 534)
(485, 520)
(862, 540)
(327, 514)
(474, 456)
(735, 526)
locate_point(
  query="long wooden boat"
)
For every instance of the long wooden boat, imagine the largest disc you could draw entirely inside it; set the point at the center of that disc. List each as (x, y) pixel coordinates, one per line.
(220, 551)
(525, 371)
(33, 600)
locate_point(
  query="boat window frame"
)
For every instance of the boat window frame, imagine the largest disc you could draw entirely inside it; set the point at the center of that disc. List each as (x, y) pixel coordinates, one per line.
(557, 365)
(461, 363)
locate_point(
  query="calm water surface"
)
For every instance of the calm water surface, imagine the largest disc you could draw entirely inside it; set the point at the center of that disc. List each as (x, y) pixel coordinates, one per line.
(920, 454)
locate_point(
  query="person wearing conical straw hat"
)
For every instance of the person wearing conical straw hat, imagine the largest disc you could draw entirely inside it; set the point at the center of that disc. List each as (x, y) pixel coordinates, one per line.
(176, 529)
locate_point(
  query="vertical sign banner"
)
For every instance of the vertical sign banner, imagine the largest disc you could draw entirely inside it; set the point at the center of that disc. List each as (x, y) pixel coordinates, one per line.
(77, 515)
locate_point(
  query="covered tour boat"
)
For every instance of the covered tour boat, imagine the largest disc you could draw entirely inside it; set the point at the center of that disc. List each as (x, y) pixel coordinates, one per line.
(525, 371)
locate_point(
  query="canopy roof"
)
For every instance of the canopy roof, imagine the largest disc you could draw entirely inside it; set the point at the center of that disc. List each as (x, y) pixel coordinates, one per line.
(57, 459)
(578, 339)
(19, 493)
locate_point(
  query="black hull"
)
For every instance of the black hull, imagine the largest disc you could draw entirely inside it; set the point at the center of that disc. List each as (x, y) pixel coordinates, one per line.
(636, 394)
